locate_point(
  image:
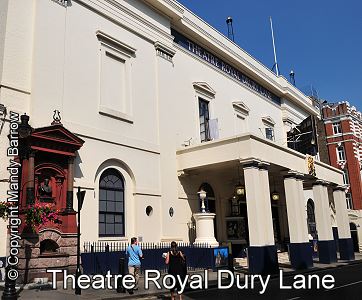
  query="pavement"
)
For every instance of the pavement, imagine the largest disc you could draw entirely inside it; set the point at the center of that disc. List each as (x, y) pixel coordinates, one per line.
(348, 285)
(45, 291)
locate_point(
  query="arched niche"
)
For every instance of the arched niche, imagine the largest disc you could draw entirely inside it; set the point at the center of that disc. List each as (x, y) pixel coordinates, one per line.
(49, 247)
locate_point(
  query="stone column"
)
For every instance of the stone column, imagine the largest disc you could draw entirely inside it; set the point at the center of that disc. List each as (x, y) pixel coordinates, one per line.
(262, 253)
(265, 192)
(300, 249)
(345, 242)
(70, 183)
(326, 244)
(30, 192)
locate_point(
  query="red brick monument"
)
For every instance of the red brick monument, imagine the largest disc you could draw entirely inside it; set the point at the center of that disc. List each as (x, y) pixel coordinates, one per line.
(47, 157)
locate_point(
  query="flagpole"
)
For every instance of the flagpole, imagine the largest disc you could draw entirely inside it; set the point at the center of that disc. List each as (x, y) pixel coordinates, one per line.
(275, 53)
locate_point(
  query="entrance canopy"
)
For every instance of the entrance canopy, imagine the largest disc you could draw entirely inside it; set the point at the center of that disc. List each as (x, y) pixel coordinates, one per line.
(251, 147)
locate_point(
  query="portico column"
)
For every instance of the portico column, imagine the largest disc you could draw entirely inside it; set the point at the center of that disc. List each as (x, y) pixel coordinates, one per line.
(299, 248)
(70, 183)
(326, 244)
(30, 191)
(262, 253)
(345, 242)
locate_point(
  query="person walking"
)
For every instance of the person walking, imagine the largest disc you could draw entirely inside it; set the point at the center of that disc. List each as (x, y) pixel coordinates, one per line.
(176, 262)
(134, 254)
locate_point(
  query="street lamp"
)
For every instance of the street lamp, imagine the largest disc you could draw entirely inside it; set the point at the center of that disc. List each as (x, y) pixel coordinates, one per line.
(202, 195)
(275, 196)
(240, 190)
(235, 206)
(80, 197)
(9, 289)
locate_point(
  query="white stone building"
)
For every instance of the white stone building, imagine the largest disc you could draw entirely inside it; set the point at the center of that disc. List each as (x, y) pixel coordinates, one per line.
(166, 105)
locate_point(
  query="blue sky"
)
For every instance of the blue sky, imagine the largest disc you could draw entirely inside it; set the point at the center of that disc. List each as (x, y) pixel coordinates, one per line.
(321, 40)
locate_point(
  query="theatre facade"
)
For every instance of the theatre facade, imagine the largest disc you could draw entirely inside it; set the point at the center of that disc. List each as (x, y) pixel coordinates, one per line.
(156, 106)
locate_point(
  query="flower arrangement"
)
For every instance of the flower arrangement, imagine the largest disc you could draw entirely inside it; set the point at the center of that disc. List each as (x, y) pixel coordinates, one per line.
(39, 214)
(4, 210)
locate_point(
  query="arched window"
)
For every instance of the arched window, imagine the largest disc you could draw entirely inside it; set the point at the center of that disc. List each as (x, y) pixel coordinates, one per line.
(312, 229)
(210, 205)
(210, 197)
(111, 204)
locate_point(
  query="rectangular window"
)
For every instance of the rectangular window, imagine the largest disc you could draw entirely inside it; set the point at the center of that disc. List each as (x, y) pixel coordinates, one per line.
(337, 127)
(349, 201)
(269, 133)
(345, 177)
(341, 155)
(204, 120)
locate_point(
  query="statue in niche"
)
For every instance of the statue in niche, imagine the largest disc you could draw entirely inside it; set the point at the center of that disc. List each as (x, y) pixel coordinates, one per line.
(45, 190)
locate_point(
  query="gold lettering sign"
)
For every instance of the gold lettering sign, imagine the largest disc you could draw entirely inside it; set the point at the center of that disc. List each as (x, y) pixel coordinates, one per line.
(310, 165)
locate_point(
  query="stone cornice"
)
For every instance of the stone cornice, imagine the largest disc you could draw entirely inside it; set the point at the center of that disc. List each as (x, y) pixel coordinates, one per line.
(164, 51)
(171, 9)
(113, 10)
(342, 117)
(241, 107)
(289, 120)
(110, 40)
(289, 115)
(268, 120)
(173, 5)
(279, 84)
(179, 48)
(251, 136)
(204, 88)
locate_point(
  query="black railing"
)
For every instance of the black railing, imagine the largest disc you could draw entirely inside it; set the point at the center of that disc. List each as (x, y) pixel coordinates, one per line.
(99, 257)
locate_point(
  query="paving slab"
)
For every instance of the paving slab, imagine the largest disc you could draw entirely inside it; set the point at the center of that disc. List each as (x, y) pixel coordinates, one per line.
(44, 291)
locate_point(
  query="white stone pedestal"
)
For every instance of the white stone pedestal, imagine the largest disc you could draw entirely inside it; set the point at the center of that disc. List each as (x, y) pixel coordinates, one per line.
(205, 229)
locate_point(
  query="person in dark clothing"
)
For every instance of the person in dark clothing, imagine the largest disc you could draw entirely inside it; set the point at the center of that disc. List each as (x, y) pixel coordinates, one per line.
(176, 266)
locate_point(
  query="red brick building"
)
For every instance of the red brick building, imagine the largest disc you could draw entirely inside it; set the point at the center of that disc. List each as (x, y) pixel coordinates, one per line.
(343, 125)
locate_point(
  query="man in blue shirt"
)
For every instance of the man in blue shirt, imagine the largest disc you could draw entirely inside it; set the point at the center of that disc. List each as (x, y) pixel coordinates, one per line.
(134, 254)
